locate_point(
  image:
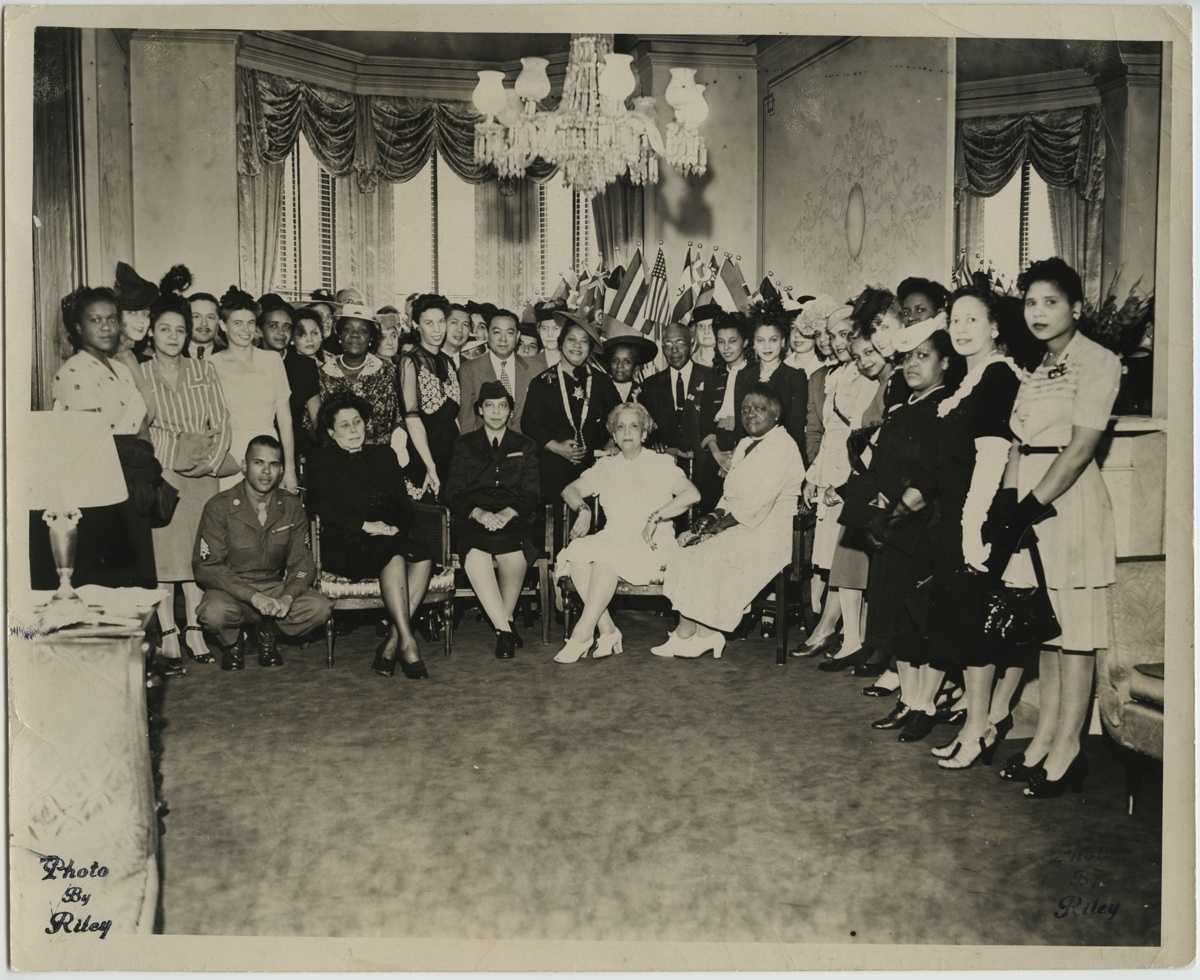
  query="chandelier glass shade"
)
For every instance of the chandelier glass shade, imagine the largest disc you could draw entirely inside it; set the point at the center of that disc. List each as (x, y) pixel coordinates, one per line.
(592, 136)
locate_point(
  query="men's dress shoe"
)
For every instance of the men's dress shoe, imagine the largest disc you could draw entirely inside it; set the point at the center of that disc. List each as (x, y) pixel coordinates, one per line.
(233, 656)
(869, 669)
(875, 691)
(268, 647)
(894, 718)
(917, 726)
(505, 645)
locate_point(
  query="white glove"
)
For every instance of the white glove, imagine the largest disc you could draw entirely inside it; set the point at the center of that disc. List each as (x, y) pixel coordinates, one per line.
(991, 457)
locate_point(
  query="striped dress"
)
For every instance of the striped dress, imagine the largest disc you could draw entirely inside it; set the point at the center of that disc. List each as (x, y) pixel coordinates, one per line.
(194, 404)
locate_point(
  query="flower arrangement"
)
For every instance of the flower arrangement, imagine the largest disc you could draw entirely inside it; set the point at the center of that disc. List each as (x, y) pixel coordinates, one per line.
(1123, 326)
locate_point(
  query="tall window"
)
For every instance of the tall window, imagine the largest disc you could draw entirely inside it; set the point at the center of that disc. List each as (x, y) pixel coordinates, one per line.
(1016, 224)
(307, 255)
(568, 232)
(434, 232)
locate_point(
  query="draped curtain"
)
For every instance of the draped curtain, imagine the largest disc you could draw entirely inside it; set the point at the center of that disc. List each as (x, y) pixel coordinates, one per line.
(1067, 149)
(619, 221)
(369, 142)
(366, 247)
(507, 269)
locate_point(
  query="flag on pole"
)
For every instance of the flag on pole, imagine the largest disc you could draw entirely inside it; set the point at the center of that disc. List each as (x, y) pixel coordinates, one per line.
(626, 303)
(729, 288)
(658, 298)
(685, 294)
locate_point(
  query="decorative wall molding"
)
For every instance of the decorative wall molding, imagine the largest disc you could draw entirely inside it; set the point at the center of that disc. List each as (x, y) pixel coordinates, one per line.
(211, 37)
(676, 50)
(1028, 93)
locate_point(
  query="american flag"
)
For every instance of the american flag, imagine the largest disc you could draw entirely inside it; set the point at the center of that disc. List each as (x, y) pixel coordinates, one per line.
(658, 298)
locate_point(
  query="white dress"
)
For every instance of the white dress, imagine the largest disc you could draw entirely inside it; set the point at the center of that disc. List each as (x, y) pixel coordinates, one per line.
(1078, 544)
(848, 395)
(630, 490)
(251, 394)
(715, 581)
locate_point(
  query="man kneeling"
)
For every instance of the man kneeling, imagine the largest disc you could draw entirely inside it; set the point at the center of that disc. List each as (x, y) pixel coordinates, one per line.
(253, 562)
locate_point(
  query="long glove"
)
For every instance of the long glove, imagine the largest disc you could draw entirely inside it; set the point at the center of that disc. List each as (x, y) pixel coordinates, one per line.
(1008, 538)
(991, 457)
(883, 525)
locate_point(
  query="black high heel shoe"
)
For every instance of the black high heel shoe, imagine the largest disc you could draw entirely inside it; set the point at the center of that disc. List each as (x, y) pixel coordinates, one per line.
(518, 640)
(1042, 788)
(986, 751)
(200, 658)
(384, 666)
(855, 659)
(1016, 771)
(1003, 727)
(414, 670)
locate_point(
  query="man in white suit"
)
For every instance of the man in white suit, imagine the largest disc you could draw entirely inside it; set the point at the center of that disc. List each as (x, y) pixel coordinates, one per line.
(500, 363)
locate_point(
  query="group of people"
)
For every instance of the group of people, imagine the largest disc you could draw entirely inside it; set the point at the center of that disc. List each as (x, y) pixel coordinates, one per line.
(923, 433)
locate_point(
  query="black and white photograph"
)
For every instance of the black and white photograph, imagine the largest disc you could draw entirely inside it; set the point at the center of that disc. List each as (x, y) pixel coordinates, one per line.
(672, 488)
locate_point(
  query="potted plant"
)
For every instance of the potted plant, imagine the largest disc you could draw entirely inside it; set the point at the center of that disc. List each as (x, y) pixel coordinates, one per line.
(1126, 327)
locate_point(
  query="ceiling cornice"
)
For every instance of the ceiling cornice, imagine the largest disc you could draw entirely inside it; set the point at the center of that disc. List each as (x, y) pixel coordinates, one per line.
(336, 67)
(786, 56)
(1027, 93)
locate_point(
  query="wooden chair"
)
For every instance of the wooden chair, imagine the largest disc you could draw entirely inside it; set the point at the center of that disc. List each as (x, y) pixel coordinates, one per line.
(541, 567)
(652, 589)
(430, 529)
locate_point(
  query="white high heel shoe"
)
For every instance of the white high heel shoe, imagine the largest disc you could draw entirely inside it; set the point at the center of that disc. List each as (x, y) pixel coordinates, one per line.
(697, 646)
(668, 646)
(607, 644)
(573, 650)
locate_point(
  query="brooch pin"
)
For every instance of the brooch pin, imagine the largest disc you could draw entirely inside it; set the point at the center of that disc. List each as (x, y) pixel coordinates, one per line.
(1057, 371)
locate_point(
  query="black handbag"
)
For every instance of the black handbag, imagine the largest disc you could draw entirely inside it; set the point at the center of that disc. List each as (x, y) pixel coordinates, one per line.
(1021, 617)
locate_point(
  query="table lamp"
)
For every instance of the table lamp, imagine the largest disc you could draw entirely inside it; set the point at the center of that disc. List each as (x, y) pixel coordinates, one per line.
(70, 461)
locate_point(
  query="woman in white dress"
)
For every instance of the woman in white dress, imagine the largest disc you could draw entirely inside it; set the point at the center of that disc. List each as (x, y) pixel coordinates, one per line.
(255, 385)
(718, 570)
(640, 492)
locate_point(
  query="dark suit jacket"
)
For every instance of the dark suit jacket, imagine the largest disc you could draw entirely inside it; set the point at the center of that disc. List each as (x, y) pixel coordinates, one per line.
(472, 376)
(791, 385)
(815, 429)
(670, 430)
(481, 476)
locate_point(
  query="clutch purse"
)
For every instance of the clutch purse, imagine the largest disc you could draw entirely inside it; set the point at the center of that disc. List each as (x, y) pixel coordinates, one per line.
(1021, 617)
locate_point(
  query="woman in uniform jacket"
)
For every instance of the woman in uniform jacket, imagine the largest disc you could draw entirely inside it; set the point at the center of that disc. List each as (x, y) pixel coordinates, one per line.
(567, 408)
(492, 491)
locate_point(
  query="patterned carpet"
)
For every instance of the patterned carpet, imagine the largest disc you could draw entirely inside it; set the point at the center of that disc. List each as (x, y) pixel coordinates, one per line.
(625, 799)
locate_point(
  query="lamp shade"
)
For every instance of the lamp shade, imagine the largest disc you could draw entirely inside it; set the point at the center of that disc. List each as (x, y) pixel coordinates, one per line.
(682, 87)
(616, 77)
(72, 462)
(489, 97)
(533, 84)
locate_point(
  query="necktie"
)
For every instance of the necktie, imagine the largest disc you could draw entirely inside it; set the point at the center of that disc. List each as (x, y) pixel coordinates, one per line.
(496, 444)
(200, 352)
(679, 395)
(504, 380)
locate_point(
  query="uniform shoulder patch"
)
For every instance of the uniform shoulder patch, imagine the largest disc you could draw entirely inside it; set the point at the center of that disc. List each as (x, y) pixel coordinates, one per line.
(204, 550)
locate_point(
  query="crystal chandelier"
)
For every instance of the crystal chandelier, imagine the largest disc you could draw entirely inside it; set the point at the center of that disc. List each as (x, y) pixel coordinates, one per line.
(593, 136)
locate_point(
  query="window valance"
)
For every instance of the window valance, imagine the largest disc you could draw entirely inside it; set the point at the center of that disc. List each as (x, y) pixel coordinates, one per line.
(374, 137)
(1065, 146)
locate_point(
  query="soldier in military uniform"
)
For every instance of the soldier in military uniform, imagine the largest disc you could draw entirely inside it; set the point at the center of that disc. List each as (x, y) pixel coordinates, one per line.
(252, 560)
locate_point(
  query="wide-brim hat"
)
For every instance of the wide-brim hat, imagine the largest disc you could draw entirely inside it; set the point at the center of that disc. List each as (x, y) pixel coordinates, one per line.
(355, 311)
(569, 317)
(709, 311)
(133, 292)
(618, 333)
(913, 336)
(546, 310)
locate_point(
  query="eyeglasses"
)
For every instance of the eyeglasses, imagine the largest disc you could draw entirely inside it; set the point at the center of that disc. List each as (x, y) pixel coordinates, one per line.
(676, 344)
